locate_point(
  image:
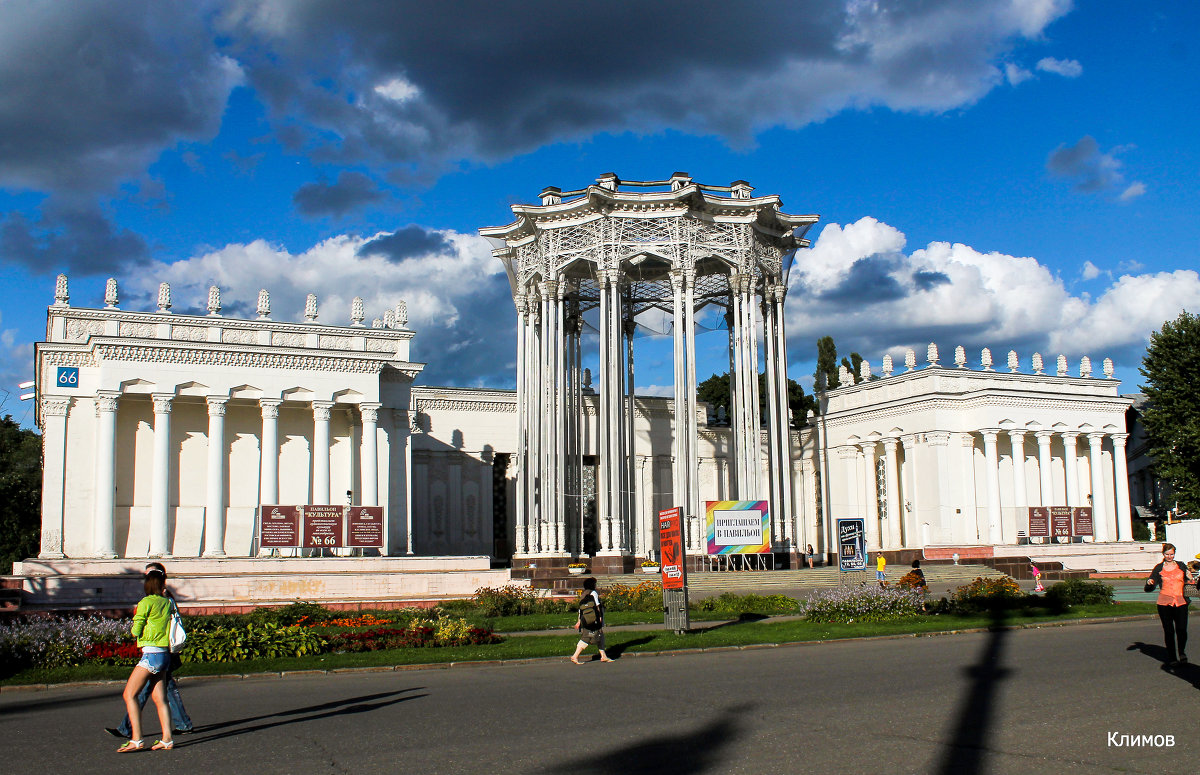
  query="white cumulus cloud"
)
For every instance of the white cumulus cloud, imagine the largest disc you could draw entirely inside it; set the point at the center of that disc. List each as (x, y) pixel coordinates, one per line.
(1068, 68)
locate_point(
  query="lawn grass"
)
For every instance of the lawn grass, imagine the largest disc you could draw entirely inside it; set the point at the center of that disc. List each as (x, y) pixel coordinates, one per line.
(746, 632)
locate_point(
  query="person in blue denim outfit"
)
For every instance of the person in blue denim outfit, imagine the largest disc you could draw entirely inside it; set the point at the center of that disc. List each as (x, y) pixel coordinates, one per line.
(180, 721)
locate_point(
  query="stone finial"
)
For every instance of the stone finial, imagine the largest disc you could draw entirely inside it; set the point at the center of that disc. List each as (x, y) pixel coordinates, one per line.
(357, 313)
(587, 380)
(1013, 362)
(551, 195)
(1037, 363)
(389, 318)
(377, 323)
(844, 378)
(61, 297)
(164, 297)
(887, 366)
(864, 372)
(402, 315)
(1108, 368)
(310, 308)
(960, 357)
(931, 354)
(1062, 365)
(1085, 367)
(110, 293)
(264, 304)
(740, 189)
(985, 359)
(910, 359)
(214, 300)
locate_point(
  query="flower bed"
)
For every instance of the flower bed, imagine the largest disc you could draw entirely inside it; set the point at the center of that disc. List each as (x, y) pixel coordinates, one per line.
(846, 605)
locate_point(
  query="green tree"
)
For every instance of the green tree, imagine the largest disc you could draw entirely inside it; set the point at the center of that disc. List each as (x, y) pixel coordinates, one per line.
(1172, 413)
(854, 364)
(20, 492)
(715, 391)
(826, 364)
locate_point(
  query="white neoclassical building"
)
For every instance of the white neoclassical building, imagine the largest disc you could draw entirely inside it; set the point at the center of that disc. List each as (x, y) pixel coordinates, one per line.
(166, 433)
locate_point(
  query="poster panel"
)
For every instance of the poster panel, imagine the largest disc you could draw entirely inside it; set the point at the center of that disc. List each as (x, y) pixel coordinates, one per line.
(323, 526)
(1060, 521)
(738, 527)
(1081, 517)
(278, 526)
(1039, 521)
(364, 527)
(670, 539)
(852, 544)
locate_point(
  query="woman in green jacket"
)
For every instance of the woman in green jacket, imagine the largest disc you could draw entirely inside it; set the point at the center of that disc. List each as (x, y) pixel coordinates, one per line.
(151, 622)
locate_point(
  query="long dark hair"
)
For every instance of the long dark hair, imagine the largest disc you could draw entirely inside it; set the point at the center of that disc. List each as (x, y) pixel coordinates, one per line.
(154, 584)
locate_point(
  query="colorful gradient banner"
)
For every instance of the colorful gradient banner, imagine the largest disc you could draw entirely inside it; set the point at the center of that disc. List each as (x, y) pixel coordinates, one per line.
(738, 527)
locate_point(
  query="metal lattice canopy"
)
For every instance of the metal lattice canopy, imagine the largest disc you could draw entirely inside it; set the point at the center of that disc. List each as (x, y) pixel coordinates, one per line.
(644, 234)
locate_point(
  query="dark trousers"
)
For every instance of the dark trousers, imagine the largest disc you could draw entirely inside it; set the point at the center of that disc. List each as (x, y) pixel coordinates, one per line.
(1174, 623)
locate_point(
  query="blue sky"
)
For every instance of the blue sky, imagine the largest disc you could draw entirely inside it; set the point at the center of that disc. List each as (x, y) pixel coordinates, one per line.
(1006, 174)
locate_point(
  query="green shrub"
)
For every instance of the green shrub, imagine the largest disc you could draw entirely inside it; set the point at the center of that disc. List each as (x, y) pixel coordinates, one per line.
(295, 613)
(987, 594)
(734, 605)
(846, 605)
(511, 600)
(252, 640)
(1080, 592)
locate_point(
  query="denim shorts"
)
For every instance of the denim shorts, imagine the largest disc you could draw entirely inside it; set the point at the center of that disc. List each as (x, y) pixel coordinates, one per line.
(156, 661)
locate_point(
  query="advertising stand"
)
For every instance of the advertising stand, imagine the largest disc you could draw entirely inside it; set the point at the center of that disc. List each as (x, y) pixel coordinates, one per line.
(674, 570)
(852, 549)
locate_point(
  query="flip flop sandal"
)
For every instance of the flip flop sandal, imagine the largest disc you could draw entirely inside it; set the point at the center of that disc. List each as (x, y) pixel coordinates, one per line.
(132, 745)
(159, 745)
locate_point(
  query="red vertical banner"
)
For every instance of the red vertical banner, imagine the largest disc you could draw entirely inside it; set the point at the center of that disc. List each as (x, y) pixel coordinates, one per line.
(670, 539)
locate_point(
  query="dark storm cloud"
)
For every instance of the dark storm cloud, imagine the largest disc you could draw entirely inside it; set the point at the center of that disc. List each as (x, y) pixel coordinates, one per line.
(926, 280)
(464, 352)
(1083, 162)
(409, 241)
(351, 190)
(65, 238)
(92, 91)
(440, 81)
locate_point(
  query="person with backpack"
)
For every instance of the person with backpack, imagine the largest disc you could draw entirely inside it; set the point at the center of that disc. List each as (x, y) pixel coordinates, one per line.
(180, 721)
(590, 622)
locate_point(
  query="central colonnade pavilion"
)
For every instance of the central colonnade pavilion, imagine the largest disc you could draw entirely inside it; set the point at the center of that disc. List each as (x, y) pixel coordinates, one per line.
(174, 428)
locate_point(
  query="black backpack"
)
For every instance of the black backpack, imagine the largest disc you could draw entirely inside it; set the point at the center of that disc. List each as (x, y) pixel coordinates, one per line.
(589, 613)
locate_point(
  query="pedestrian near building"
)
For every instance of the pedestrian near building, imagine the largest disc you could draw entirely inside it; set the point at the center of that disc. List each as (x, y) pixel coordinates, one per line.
(808, 554)
(880, 568)
(151, 623)
(590, 622)
(180, 721)
(1037, 578)
(1170, 577)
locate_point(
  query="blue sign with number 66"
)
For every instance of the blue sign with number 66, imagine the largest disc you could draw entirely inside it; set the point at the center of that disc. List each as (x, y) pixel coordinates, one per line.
(68, 377)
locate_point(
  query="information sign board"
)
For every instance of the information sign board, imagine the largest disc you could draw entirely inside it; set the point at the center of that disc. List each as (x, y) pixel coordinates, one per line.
(364, 527)
(67, 377)
(670, 543)
(278, 526)
(1081, 517)
(852, 544)
(1060, 521)
(738, 527)
(1039, 521)
(323, 526)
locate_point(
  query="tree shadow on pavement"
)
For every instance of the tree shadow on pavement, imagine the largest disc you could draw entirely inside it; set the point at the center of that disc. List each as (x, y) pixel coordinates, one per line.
(968, 744)
(1187, 672)
(690, 752)
(347, 706)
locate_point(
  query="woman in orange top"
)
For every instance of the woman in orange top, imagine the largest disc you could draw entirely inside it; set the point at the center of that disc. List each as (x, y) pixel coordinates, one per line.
(1171, 576)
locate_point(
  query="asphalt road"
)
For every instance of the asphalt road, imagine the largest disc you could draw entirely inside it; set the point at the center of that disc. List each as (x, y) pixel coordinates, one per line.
(1025, 701)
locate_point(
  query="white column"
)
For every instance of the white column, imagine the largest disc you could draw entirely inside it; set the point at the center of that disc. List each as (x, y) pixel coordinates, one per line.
(1020, 494)
(320, 457)
(103, 538)
(781, 390)
(1099, 512)
(268, 478)
(521, 516)
(1121, 488)
(1044, 457)
(870, 496)
(849, 454)
(1071, 464)
(405, 424)
(894, 514)
(54, 459)
(775, 474)
(214, 513)
(160, 492)
(679, 487)
(992, 458)
(370, 453)
(912, 530)
(689, 373)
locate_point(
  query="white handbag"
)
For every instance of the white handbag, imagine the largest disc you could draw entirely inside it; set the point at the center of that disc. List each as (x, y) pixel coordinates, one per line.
(176, 635)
